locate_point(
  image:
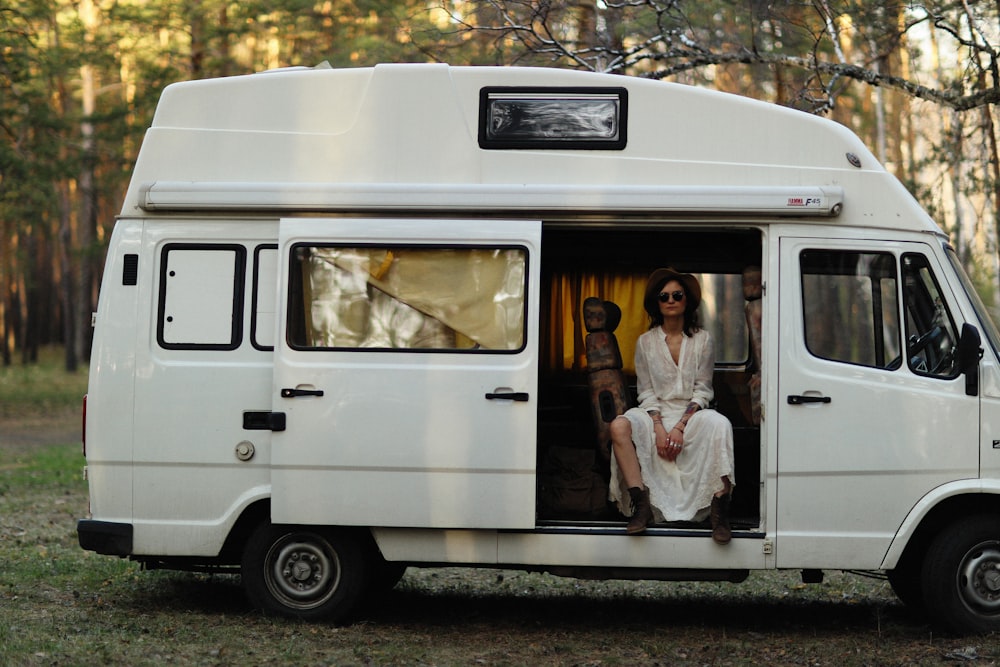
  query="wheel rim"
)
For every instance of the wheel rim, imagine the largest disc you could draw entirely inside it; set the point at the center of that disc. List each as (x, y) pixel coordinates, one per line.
(302, 571)
(979, 578)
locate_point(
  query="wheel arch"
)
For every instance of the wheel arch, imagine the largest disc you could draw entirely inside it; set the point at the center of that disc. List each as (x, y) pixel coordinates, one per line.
(259, 512)
(934, 512)
(250, 518)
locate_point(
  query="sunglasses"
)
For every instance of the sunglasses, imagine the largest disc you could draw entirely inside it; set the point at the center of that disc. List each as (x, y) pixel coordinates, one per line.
(677, 296)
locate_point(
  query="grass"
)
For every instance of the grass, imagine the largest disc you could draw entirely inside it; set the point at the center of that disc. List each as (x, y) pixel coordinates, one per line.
(62, 605)
(40, 389)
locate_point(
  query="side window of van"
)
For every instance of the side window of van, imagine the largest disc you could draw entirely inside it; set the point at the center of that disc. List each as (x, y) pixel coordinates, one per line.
(407, 298)
(930, 331)
(851, 308)
(265, 272)
(201, 296)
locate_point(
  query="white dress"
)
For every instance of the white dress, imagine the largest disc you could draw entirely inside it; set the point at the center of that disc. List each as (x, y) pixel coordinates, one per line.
(680, 490)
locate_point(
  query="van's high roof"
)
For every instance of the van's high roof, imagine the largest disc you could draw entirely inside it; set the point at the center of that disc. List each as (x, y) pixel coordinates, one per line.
(408, 137)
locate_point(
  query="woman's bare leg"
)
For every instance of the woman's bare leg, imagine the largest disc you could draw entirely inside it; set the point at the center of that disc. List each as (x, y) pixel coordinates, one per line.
(628, 461)
(628, 464)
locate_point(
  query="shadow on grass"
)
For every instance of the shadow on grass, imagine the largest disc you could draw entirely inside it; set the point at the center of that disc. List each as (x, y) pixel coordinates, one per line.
(413, 606)
(763, 616)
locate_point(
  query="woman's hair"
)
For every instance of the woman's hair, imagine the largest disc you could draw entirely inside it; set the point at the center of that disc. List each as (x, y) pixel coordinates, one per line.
(652, 304)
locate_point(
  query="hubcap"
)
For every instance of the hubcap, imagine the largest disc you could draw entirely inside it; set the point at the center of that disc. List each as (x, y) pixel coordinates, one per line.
(302, 571)
(979, 577)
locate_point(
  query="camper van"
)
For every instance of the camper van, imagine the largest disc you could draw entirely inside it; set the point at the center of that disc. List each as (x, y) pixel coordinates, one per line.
(341, 333)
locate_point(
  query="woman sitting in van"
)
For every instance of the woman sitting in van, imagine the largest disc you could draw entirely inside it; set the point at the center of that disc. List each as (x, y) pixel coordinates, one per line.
(673, 456)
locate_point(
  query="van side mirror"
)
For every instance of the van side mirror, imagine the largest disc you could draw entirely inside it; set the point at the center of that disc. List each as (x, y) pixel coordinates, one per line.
(969, 354)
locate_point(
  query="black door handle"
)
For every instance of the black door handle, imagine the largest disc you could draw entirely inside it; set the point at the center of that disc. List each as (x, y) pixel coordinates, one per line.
(509, 395)
(292, 393)
(799, 400)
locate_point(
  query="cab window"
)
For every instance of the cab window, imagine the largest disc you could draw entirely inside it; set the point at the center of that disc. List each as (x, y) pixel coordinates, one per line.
(931, 338)
(850, 307)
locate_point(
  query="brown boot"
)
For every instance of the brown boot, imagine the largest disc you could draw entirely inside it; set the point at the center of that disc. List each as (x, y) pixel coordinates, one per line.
(721, 532)
(642, 511)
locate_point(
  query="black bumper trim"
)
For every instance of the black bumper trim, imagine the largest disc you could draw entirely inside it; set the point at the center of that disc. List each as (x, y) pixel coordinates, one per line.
(105, 537)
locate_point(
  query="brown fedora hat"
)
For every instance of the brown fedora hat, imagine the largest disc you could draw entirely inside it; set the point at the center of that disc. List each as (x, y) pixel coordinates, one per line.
(660, 277)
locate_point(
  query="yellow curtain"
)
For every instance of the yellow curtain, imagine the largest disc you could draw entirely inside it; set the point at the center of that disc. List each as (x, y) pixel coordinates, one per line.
(563, 345)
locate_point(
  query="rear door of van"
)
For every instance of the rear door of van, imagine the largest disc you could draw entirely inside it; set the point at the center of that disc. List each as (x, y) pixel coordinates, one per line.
(872, 410)
(406, 373)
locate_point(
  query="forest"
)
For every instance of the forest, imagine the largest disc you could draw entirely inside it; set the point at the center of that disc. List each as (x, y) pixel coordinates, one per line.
(918, 81)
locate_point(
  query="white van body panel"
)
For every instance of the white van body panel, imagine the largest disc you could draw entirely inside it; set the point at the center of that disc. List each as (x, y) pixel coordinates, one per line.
(190, 406)
(408, 438)
(931, 500)
(989, 446)
(593, 549)
(110, 408)
(198, 537)
(582, 551)
(282, 142)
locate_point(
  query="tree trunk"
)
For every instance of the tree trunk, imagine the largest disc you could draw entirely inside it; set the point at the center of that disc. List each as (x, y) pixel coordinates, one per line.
(8, 271)
(66, 278)
(87, 192)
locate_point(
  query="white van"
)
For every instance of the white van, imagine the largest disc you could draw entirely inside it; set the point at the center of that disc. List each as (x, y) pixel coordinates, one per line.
(340, 333)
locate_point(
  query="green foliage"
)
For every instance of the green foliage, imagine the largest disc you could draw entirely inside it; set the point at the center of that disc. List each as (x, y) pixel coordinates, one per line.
(79, 87)
(861, 62)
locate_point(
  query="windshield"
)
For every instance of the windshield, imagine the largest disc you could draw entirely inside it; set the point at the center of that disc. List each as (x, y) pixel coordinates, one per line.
(988, 326)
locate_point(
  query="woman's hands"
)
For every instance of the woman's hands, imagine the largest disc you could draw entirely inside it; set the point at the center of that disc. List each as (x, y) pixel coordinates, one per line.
(675, 443)
(668, 445)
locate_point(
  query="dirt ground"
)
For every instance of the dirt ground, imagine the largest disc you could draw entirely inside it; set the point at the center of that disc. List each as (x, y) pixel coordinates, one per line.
(20, 433)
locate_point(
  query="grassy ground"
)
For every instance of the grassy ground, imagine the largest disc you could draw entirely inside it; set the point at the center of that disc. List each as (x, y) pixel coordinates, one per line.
(60, 605)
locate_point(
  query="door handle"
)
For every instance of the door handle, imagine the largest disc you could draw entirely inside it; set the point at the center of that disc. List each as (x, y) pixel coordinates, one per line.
(292, 393)
(508, 395)
(800, 400)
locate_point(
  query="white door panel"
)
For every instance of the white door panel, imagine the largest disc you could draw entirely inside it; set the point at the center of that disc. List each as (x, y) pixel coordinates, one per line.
(407, 437)
(859, 442)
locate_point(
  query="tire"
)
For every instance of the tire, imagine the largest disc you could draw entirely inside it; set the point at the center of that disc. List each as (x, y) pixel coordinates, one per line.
(961, 576)
(385, 575)
(907, 584)
(303, 572)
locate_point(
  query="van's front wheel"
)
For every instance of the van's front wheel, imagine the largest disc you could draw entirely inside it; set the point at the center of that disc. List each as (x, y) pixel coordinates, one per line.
(303, 572)
(961, 575)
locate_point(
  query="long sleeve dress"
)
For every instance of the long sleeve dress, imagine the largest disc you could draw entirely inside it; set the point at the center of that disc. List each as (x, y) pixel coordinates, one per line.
(679, 490)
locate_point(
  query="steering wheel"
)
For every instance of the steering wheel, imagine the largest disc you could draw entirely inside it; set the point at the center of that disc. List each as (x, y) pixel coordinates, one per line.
(918, 343)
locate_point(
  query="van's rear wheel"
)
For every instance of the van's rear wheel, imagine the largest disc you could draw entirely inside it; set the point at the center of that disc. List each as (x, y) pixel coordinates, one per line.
(303, 572)
(961, 576)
